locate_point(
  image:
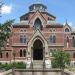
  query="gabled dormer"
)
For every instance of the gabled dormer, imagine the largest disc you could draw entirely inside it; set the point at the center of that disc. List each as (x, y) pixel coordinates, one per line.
(67, 28)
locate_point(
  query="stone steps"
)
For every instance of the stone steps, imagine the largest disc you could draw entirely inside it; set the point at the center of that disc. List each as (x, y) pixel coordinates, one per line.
(37, 64)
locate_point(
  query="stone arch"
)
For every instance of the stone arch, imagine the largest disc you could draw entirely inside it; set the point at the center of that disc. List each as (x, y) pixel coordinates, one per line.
(37, 35)
(38, 38)
(37, 50)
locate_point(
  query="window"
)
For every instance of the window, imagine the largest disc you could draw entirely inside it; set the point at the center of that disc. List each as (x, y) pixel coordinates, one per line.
(67, 39)
(52, 39)
(20, 52)
(7, 55)
(73, 55)
(49, 18)
(24, 53)
(66, 30)
(21, 30)
(26, 18)
(37, 24)
(73, 41)
(22, 38)
(52, 30)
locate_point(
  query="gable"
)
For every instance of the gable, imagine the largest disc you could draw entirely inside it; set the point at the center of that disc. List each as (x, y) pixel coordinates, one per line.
(37, 35)
(36, 15)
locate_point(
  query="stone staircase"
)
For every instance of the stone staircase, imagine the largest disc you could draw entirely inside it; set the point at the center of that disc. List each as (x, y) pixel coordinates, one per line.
(37, 64)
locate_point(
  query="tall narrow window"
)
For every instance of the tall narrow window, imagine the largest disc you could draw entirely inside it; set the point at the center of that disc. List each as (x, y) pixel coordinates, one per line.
(24, 53)
(37, 24)
(54, 39)
(21, 38)
(67, 39)
(20, 52)
(24, 38)
(50, 39)
(73, 41)
(7, 55)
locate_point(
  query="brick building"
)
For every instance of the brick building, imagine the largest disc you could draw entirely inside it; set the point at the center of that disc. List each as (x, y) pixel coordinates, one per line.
(37, 35)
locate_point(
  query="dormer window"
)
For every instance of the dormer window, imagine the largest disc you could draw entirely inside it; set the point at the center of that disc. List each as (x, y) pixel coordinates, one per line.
(38, 24)
(21, 30)
(66, 30)
(26, 18)
(49, 18)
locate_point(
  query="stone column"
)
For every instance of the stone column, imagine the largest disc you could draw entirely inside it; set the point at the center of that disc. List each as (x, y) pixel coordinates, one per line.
(31, 57)
(43, 57)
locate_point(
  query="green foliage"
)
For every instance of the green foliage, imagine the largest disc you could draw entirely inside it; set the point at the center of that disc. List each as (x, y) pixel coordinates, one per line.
(5, 30)
(20, 65)
(60, 60)
(7, 66)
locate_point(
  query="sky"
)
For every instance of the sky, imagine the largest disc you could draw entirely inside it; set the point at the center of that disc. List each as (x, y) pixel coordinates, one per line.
(62, 9)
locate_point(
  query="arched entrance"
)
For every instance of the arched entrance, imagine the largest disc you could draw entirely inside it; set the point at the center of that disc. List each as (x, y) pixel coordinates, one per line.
(38, 50)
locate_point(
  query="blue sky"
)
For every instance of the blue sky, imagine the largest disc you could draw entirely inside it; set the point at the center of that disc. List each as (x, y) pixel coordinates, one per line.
(62, 9)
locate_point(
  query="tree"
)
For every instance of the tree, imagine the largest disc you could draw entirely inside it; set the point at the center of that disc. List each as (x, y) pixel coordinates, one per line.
(60, 59)
(5, 31)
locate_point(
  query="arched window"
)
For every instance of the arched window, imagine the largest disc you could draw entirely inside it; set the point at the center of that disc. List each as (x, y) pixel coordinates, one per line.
(24, 53)
(37, 24)
(50, 39)
(24, 38)
(54, 39)
(7, 55)
(66, 30)
(21, 38)
(20, 52)
(73, 41)
(67, 39)
(21, 30)
(73, 55)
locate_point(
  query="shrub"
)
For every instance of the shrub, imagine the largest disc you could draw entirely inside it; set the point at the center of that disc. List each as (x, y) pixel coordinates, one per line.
(19, 65)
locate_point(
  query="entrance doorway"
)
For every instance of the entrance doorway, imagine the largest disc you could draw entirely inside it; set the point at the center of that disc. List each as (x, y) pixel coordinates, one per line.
(38, 50)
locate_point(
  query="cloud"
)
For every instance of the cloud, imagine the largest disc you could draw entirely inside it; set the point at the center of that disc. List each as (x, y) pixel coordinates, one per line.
(70, 23)
(6, 9)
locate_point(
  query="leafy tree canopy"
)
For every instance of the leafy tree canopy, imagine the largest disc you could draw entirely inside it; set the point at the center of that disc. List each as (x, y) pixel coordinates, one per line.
(60, 59)
(5, 30)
